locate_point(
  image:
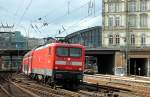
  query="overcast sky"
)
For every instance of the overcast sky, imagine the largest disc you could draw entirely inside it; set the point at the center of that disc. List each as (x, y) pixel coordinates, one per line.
(50, 18)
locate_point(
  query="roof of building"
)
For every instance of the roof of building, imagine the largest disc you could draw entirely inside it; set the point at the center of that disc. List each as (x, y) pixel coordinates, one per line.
(82, 31)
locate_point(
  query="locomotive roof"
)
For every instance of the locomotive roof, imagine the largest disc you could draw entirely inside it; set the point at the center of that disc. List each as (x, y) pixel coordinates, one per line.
(28, 53)
(58, 44)
(65, 44)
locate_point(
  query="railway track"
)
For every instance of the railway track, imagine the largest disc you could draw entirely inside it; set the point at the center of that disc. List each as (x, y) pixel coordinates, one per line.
(59, 91)
(96, 90)
(44, 90)
(4, 92)
(47, 91)
(8, 89)
(135, 86)
(85, 90)
(36, 89)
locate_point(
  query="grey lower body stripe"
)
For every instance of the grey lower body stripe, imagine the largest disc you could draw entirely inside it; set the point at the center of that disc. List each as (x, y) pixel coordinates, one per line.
(42, 71)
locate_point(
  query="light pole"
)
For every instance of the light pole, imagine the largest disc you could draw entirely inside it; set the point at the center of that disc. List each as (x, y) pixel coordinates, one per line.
(27, 35)
(127, 40)
(139, 69)
(17, 55)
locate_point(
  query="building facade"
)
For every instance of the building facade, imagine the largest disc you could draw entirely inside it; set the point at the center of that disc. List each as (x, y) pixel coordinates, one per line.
(12, 40)
(126, 22)
(126, 27)
(90, 37)
(34, 42)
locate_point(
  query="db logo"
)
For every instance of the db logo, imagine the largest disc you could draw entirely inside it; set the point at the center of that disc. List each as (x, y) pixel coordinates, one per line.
(68, 62)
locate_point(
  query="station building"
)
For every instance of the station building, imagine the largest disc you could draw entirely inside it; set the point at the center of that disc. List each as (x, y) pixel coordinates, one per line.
(13, 47)
(124, 43)
(90, 37)
(126, 27)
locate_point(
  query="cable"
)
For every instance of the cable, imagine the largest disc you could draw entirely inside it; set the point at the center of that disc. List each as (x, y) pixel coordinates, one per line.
(54, 10)
(85, 20)
(62, 16)
(76, 9)
(77, 23)
(9, 13)
(70, 26)
(33, 28)
(37, 28)
(26, 9)
(19, 7)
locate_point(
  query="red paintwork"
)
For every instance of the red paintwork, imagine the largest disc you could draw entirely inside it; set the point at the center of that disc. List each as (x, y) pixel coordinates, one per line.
(44, 58)
(27, 60)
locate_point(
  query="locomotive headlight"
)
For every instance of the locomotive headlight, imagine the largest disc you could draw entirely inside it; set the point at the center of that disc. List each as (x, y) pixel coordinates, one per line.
(56, 67)
(80, 69)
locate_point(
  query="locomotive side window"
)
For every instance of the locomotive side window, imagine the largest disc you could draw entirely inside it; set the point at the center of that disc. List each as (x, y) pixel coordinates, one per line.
(61, 51)
(75, 52)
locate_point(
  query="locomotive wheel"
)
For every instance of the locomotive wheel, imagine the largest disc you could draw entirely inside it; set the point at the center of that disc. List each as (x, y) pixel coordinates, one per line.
(53, 85)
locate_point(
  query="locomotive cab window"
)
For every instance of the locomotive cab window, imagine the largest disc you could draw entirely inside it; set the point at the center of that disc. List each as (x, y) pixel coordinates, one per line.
(62, 51)
(75, 52)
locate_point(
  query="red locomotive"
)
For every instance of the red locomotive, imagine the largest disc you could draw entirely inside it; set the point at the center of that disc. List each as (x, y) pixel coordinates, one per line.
(56, 63)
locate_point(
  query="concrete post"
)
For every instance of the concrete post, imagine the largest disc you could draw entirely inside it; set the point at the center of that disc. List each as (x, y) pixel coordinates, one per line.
(119, 64)
(148, 66)
(11, 63)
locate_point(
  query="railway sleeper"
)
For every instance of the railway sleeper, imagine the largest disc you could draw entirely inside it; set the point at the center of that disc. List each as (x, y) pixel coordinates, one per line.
(67, 84)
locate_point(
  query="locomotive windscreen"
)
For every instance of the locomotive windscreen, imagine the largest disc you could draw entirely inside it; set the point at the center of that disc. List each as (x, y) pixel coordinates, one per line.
(62, 51)
(75, 52)
(72, 52)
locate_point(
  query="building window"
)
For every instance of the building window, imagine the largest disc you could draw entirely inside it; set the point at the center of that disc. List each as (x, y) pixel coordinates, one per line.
(111, 7)
(117, 21)
(110, 21)
(132, 6)
(143, 5)
(143, 39)
(117, 9)
(110, 39)
(143, 20)
(117, 40)
(132, 20)
(110, 0)
(132, 39)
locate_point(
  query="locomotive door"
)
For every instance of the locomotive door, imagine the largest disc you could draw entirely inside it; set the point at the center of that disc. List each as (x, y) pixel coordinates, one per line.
(30, 65)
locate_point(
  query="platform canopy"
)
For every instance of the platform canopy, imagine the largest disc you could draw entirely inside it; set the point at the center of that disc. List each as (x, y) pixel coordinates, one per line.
(13, 52)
